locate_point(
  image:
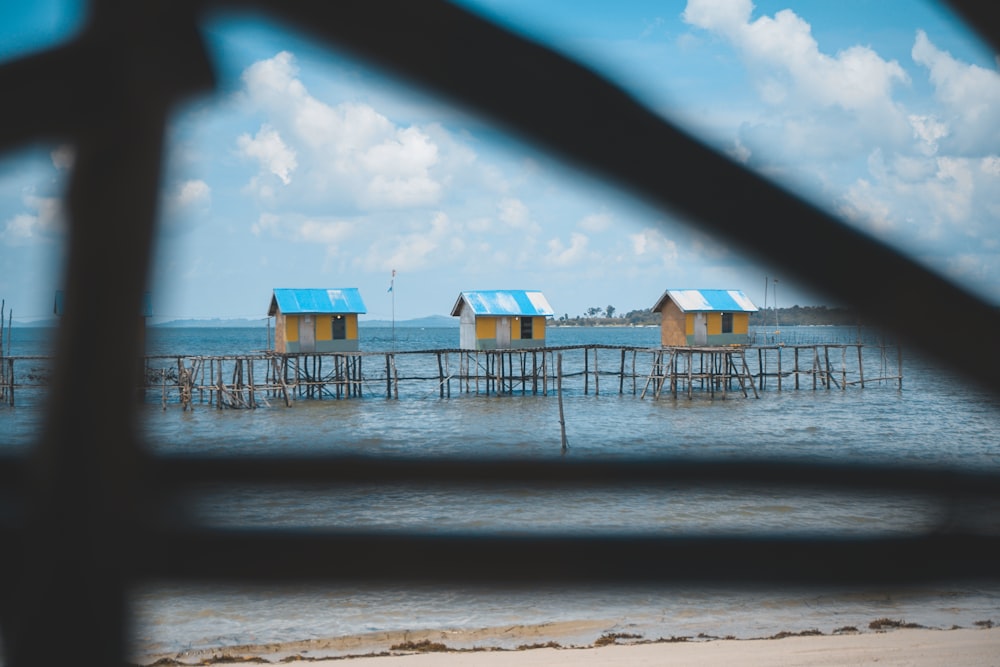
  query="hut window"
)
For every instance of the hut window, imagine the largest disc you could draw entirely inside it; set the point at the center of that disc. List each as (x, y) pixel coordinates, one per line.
(727, 323)
(526, 328)
(339, 327)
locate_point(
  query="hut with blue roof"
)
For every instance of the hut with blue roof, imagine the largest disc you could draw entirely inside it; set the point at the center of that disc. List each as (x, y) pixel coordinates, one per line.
(704, 317)
(501, 319)
(316, 319)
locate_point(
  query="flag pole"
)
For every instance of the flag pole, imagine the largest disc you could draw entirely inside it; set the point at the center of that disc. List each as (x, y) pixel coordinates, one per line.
(392, 285)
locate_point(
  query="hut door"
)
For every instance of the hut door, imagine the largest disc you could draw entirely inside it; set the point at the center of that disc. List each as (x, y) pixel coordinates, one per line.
(700, 329)
(307, 334)
(503, 332)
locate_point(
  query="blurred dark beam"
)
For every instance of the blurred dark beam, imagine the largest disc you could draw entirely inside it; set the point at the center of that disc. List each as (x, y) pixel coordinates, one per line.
(180, 474)
(395, 558)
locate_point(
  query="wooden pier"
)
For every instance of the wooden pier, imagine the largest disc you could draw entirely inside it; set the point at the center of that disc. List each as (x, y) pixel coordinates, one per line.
(267, 378)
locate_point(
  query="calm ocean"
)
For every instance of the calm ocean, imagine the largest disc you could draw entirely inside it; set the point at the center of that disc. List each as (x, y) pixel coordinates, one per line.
(933, 419)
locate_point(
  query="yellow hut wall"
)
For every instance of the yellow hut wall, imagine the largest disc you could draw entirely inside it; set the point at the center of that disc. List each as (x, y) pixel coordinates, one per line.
(714, 324)
(486, 328)
(324, 328)
(538, 328)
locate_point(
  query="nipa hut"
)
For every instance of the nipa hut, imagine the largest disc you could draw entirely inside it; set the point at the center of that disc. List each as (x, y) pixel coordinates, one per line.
(501, 319)
(704, 317)
(316, 320)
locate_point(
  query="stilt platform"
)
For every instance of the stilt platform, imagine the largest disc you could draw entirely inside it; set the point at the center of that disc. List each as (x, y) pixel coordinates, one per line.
(267, 378)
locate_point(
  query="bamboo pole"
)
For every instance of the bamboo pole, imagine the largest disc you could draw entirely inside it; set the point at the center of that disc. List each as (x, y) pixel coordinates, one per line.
(597, 376)
(388, 377)
(562, 417)
(779, 368)
(621, 374)
(861, 363)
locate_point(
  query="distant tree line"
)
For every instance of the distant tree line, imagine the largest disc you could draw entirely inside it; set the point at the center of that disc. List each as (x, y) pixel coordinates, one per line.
(794, 316)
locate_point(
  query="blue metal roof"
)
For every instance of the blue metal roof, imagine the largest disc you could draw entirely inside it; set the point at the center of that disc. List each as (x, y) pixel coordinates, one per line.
(504, 302)
(707, 300)
(317, 300)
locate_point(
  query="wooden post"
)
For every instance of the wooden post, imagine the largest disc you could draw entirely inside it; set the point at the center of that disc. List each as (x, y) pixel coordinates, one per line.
(633, 373)
(690, 374)
(357, 386)
(534, 371)
(395, 377)
(545, 375)
(621, 374)
(562, 418)
(388, 377)
(524, 369)
(586, 371)
(779, 368)
(597, 380)
(440, 377)
(861, 362)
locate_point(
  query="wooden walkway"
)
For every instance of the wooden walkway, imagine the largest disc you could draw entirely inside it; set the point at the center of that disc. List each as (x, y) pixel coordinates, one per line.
(268, 378)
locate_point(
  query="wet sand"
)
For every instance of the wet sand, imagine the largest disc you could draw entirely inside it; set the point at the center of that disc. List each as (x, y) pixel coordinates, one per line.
(555, 644)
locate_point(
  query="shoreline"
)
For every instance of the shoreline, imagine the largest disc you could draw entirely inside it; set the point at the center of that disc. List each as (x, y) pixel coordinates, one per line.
(886, 641)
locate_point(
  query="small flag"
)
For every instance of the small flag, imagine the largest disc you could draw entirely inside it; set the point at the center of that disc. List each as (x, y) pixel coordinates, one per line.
(392, 280)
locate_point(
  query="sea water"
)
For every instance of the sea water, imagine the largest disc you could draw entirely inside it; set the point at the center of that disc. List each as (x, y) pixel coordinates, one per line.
(931, 418)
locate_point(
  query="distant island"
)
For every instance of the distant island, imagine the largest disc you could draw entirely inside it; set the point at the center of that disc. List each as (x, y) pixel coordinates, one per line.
(794, 316)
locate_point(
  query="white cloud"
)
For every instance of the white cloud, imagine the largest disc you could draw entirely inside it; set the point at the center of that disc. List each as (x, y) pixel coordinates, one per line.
(44, 223)
(515, 215)
(820, 106)
(928, 131)
(863, 205)
(970, 95)
(854, 79)
(563, 256)
(347, 152)
(299, 229)
(270, 151)
(651, 243)
(63, 157)
(194, 192)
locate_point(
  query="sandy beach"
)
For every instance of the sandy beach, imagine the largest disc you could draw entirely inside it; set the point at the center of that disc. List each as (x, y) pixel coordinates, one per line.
(533, 645)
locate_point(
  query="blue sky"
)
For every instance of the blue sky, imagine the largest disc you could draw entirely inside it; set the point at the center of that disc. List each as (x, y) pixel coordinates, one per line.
(309, 169)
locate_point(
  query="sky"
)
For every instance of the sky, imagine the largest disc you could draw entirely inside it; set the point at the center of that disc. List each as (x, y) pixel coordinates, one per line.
(306, 168)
